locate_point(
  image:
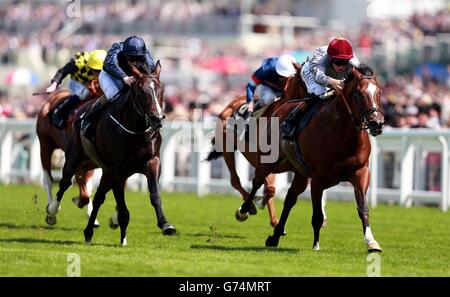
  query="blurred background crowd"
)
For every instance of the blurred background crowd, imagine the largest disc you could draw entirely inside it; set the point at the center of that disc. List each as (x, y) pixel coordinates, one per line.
(209, 49)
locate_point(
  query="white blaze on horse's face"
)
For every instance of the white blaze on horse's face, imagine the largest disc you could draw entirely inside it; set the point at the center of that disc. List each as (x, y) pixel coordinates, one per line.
(372, 88)
(158, 106)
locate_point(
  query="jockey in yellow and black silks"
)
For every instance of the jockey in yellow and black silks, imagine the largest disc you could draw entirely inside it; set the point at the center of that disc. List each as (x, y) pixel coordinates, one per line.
(83, 68)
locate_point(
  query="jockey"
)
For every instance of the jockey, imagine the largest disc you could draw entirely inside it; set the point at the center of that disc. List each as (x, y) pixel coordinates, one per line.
(269, 80)
(329, 67)
(83, 68)
(116, 71)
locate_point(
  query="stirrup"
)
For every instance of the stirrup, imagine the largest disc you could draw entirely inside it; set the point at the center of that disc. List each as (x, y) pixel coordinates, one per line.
(288, 130)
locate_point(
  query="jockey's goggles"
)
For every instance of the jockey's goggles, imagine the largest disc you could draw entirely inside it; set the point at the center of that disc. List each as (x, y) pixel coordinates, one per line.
(340, 62)
(133, 58)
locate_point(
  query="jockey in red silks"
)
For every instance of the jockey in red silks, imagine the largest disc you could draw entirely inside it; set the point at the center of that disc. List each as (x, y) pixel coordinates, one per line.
(328, 68)
(269, 80)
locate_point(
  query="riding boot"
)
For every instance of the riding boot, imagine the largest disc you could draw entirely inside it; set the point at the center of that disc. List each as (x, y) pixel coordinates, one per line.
(288, 127)
(62, 111)
(95, 108)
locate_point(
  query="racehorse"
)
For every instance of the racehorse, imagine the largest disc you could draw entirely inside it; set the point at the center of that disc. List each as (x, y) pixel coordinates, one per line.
(52, 138)
(253, 157)
(332, 148)
(127, 140)
(269, 188)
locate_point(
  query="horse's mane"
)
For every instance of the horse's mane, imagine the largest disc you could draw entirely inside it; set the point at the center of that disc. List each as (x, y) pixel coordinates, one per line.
(363, 69)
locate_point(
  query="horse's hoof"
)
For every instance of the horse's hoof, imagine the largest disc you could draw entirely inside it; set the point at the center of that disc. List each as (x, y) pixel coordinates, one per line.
(316, 247)
(96, 224)
(252, 210)
(50, 220)
(80, 203)
(113, 224)
(284, 233)
(272, 241)
(374, 247)
(241, 217)
(88, 236)
(325, 223)
(124, 241)
(168, 229)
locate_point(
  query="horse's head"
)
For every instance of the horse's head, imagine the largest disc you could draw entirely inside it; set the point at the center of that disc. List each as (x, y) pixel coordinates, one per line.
(364, 93)
(148, 96)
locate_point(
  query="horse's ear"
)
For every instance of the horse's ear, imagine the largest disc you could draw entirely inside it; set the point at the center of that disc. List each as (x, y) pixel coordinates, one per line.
(297, 66)
(135, 71)
(158, 69)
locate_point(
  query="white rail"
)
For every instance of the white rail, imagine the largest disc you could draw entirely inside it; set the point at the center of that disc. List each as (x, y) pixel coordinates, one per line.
(185, 146)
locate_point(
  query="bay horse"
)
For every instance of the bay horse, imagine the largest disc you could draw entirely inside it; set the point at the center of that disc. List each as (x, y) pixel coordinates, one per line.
(333, 148)
(127, 140)
(52, 138)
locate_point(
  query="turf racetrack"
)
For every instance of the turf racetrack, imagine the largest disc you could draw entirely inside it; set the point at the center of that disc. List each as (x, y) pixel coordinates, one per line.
(210, 242)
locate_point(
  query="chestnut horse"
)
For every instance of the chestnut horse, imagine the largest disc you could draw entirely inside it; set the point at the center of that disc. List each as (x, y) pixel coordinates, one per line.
(127, 141)
(333, 148)
(52, 138)
(229, 157)
(253, 157)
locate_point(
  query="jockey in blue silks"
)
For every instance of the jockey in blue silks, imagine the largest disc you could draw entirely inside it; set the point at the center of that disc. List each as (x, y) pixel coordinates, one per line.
(269, 80)
(116, 71)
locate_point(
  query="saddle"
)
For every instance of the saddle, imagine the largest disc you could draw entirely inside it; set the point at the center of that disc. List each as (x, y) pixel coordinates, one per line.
(70, 118)
(241, 117)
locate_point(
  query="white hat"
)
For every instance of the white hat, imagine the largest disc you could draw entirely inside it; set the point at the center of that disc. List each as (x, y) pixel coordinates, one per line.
(284, 65)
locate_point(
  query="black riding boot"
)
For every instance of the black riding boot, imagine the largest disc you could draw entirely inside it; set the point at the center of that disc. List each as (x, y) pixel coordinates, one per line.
(94, 109)
(62, 111)
(289, 126)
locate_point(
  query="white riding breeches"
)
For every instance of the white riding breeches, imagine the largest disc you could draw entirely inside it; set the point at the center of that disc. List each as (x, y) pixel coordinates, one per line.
(109, 84)
(266, 94)
(78, 89)
(311, 84)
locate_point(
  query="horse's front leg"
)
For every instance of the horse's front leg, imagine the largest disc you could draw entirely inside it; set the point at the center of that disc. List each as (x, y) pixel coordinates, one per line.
(360, 182)
(152, 173)
(243, 211)
(297, 187)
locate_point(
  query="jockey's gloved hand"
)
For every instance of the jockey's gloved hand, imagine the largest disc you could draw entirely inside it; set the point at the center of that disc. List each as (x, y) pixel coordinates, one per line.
(52, 87)
(129, 80)
(336, 84)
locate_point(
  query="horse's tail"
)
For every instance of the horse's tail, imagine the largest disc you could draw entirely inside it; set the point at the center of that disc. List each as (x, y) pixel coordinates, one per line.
(213, 155)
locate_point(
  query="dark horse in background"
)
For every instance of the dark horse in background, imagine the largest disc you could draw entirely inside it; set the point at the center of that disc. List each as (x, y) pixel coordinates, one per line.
(333, 148)
(52, 138)
(127, 140)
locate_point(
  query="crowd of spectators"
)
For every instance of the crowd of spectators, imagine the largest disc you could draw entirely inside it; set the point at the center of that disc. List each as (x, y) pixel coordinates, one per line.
(414, 100)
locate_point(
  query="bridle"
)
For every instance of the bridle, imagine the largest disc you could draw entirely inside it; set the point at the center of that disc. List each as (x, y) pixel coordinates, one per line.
(153, 122)
(363, 123)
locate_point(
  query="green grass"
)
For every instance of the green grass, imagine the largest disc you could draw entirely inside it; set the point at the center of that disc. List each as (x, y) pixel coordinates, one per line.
(210, 242)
